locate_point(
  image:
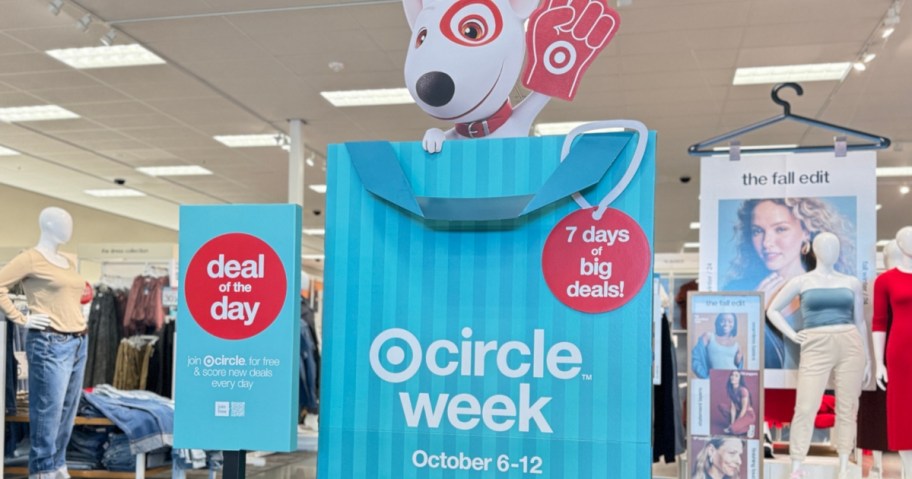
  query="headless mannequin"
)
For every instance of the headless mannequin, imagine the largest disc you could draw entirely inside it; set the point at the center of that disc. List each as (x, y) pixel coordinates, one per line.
(892, 257)
(56, 229)
(824, 276)
(904, 244)
(56, 344)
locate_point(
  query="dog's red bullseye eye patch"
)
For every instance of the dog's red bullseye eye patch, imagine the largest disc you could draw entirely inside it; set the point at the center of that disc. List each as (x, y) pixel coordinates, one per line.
(472, 22)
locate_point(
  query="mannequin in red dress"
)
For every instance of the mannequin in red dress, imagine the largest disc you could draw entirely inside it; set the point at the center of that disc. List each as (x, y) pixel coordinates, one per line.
(896, 297)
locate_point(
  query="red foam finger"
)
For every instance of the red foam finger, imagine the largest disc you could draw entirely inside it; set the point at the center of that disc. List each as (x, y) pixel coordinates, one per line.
(587, 20)
(602, 32)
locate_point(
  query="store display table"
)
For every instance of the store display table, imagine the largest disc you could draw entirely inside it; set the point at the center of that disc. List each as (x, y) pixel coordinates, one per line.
(140, 472)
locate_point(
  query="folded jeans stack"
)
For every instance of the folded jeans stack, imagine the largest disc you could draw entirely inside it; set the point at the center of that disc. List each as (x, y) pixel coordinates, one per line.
(86, 448)
(146, 418)
(118, 456)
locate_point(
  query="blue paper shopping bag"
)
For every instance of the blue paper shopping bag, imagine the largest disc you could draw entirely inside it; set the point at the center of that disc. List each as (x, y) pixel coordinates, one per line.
(447, 352)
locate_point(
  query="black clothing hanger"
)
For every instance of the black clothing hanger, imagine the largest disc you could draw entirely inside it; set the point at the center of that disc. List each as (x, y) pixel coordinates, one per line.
(875, 142)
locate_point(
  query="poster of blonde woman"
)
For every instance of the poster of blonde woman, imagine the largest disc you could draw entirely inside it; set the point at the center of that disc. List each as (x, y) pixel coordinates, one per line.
(759, 217)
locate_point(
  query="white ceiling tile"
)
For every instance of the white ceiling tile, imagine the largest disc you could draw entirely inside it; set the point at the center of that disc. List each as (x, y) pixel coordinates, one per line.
(29, 63)
(73, 96)
(113, 11)
(9, 45)
(46, 81)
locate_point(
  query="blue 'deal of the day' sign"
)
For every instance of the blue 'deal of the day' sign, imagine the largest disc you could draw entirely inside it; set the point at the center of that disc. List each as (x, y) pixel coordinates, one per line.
(445, 353)
(237, 360)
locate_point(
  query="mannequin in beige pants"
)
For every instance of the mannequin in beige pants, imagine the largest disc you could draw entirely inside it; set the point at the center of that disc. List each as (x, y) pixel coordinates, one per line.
(840, 348)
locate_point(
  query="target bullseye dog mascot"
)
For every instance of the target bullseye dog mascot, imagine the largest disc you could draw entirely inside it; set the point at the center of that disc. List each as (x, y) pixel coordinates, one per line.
(465, 57)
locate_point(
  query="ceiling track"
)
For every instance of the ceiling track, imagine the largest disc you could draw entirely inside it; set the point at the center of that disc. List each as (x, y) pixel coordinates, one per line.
(251, 12)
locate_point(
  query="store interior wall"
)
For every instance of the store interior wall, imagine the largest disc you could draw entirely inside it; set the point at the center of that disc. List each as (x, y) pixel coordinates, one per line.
(20, 223)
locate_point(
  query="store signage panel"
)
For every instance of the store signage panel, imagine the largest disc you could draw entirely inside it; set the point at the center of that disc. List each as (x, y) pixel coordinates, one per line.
(238, 328)
(758, 217)
(126, 251)
(725, 393)
(447, 352)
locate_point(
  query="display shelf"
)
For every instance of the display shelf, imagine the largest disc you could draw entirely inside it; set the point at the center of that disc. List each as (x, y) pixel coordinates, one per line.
(100, 474)
(139, 473)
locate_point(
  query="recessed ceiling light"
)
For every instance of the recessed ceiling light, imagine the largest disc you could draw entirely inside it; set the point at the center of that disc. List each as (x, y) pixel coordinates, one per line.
(314, 231)
(892, 171)
(859, 66)
(887, 32)
(115, 193)
(384, 96)
(791, 73)
(309, 161)
(8, 152)
(250, 141)
(318, 188)
(177, 170)
(878, 207)
(106, 56)
(692, 245)
(695, 225)
(21, 114)
(882, 243)
(564, 127)
(904, 190)
(869, 57)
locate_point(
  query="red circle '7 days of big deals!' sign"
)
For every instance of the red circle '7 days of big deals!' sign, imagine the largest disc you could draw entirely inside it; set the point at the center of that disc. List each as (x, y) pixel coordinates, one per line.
(593, 265)
(235, 286)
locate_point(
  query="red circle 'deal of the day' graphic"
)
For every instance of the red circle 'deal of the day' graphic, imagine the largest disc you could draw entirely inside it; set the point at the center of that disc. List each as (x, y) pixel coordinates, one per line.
(235, 286)
(593, 265)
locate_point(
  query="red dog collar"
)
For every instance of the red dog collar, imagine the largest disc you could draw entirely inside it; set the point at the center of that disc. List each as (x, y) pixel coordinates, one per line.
(483, 128)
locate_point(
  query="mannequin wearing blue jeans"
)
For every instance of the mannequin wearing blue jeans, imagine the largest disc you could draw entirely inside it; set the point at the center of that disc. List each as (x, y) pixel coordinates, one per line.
(56, 367)
(56, 343)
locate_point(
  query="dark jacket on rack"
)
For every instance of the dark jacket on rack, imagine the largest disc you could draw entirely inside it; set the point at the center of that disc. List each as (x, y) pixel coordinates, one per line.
(309, 384)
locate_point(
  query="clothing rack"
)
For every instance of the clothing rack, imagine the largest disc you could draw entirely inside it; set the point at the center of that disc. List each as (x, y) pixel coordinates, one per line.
(875, 142)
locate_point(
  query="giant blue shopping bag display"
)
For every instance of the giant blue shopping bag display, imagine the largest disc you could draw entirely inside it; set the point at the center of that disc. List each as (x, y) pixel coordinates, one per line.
(482, 320)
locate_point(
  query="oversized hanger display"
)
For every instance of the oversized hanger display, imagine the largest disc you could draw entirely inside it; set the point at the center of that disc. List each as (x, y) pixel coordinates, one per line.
(875, 142)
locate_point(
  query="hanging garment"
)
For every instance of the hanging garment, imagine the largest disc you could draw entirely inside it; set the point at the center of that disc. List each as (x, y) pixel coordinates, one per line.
(681, 299)
(309, 384)
(103, 338)
(132, 367)
(145, 313)
(161, 363)
(668, 426)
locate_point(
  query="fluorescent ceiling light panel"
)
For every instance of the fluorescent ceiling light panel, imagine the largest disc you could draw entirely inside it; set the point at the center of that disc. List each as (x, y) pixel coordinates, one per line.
(315, 231)
(115, 193)
(791, 73)
(693, 245)
(178, 170)
(106, 57)
(21, 114)
(882, 243)
(384, 96)
(8, 152)
(313, 256)
(893, 171)
(318, 188)
(564, 127)
(695, 226)
(249, 141)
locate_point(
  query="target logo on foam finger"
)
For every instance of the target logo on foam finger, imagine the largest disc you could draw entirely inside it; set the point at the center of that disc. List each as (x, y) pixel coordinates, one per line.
(560, 57)
(235, 286)
(593, 265)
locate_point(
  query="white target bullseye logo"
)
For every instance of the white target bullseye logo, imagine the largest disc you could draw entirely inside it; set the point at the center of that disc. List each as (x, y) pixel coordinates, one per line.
(560, 57)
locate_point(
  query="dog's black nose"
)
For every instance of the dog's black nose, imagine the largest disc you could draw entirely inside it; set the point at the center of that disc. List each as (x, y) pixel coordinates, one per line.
(435, 88)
